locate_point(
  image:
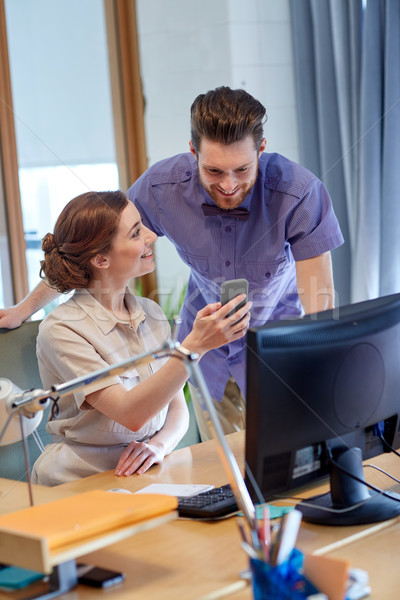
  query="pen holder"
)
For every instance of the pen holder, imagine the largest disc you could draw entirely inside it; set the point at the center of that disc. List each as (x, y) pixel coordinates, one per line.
(284, 581)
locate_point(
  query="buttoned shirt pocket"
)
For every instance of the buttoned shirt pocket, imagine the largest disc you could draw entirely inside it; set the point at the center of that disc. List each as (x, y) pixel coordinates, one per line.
(263, 273)
(130, 378)
(195, 262)
(267, 282)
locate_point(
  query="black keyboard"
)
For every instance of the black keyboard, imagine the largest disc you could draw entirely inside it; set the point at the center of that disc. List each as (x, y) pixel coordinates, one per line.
(213, 504)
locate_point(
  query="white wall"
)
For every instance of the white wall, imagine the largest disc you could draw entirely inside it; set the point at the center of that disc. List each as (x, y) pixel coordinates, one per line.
(188, 47)
(261, 63)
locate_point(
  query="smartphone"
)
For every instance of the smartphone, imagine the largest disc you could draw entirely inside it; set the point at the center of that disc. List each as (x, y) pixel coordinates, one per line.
(98, 577)
(232, 288)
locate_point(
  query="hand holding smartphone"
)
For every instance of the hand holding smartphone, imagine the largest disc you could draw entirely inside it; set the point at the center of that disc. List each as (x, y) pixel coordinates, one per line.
(232, 288)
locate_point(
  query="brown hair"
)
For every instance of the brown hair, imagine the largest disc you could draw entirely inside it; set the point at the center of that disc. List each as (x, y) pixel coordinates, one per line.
(226, 116)
(85, 228)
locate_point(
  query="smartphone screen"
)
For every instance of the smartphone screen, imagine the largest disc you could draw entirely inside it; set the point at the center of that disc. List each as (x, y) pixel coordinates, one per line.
(232, 288)
(98, 577)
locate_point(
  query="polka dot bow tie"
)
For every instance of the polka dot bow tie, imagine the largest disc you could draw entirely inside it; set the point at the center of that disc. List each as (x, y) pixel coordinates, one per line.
(210, 211)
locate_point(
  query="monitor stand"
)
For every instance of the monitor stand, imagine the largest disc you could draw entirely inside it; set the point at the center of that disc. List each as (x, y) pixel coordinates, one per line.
(346, 492)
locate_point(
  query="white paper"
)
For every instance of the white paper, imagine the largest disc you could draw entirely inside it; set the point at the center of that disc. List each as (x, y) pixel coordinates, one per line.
(172, 489)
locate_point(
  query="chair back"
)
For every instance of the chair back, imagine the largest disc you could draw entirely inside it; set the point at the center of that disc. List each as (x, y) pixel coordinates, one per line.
(18, 363)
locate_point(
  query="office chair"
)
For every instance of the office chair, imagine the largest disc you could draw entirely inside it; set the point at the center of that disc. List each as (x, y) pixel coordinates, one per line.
(19, 364)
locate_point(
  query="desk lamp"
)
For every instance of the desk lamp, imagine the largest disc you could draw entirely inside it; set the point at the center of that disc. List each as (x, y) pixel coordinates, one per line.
(36, 400)
(18, 425)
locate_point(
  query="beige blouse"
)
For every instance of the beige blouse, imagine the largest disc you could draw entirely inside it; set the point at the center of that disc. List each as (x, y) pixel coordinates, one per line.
(78, 338)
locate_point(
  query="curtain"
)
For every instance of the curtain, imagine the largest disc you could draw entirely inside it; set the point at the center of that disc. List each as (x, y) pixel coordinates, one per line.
(377, 251)
(347, 72)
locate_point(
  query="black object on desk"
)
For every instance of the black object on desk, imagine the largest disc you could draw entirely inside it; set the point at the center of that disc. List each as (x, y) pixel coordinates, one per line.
(98, 577)
(213, 504)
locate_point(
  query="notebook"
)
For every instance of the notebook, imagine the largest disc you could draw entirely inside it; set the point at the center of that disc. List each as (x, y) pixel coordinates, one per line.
(82, 516)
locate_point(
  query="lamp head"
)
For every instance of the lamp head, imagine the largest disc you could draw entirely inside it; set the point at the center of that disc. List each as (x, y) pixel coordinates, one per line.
(8, 392)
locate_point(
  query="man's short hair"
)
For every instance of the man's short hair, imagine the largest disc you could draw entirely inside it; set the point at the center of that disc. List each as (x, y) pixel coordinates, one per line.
(226, 116)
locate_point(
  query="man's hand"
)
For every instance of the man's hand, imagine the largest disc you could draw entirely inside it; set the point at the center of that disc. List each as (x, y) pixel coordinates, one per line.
(10, 318)
(40, 296)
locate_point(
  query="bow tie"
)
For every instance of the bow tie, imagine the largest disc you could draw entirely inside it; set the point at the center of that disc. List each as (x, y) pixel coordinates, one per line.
(210, 210)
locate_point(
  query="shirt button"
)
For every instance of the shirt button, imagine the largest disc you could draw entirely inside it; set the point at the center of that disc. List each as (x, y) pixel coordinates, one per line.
(227, 263)
(267, 274)
(187, 173)
(228, 228)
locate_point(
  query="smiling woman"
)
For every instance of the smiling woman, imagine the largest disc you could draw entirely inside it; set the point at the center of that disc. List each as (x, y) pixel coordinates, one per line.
(124, 423)
(131, 254)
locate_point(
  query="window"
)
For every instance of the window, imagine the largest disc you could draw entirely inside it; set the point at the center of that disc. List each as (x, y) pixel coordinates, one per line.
(63, 110)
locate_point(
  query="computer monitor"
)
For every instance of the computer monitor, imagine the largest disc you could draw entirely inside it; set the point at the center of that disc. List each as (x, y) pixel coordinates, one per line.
(320, 387)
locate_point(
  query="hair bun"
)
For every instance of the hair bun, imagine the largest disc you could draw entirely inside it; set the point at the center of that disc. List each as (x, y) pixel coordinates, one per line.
(48, 243)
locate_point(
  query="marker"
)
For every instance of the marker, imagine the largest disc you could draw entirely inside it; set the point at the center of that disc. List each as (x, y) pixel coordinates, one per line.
(290, 530)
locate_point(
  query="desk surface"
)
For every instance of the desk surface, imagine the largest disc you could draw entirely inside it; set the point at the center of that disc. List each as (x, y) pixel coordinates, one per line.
(192, 560)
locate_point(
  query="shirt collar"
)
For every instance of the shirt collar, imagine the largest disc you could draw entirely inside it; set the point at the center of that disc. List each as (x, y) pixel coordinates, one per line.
(103, 318)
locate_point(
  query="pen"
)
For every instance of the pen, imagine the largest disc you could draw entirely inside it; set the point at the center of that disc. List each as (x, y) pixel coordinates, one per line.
(250, 550)
(264, 534)
(239, 522)
(255, 543)
(276, 543)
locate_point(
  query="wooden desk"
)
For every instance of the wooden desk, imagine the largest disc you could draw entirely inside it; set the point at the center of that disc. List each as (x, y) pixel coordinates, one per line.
(183, 559)
(191, 560)
(14, 495)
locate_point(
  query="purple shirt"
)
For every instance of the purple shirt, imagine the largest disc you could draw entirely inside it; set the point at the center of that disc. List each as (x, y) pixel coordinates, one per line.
(291, 218)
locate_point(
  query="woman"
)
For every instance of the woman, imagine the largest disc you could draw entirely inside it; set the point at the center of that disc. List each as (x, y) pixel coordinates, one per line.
(129, 422)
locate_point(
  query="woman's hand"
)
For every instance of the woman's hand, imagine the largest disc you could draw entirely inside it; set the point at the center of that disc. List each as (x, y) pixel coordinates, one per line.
(137, 458)
(213, 327)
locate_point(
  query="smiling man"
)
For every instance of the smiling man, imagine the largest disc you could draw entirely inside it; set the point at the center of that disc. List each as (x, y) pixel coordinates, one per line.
(228, 172)
(234, 211)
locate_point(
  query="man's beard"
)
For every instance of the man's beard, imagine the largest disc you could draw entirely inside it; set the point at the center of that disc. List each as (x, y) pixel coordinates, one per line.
(224, 202)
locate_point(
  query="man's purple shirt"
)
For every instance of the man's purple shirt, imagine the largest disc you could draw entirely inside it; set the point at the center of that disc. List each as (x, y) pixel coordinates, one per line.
(291, 218)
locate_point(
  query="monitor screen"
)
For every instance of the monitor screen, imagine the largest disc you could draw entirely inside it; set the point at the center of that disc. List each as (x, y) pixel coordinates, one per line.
(320, 390)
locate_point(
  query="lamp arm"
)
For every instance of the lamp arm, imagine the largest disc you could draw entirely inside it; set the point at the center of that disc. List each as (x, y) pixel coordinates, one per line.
(31, 401)
(227, 457)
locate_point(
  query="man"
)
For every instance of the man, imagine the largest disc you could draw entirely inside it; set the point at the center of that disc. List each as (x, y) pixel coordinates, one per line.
(281, 245)
(234, 211)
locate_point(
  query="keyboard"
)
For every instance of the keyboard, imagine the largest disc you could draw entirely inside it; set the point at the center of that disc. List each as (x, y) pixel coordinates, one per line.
(213, 504)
